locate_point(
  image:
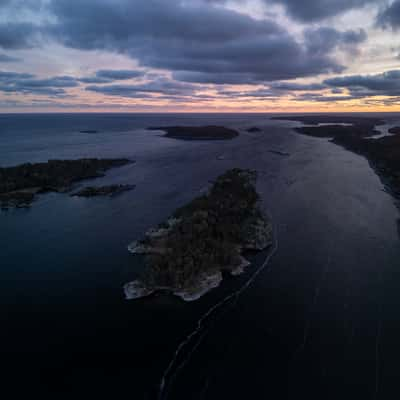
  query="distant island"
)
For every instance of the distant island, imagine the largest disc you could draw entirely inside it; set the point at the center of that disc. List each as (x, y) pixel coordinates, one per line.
(108, 190)
(395, 130)
(20, 184)
(383, 153)
(253, 129)
(210, 132)
(187, 255)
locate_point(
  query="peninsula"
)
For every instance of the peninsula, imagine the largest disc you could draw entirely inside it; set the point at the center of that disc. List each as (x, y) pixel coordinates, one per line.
(356, 133)
(187, 255)
(20, 184)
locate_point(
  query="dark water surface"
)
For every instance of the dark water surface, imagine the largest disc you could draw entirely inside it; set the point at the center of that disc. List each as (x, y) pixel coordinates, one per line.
(320, 321)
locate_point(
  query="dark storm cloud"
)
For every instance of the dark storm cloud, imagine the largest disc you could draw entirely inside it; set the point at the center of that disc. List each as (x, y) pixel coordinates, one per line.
(383, 84)
(314, 10)
(390, 17)
(17, 35)
(196, 41)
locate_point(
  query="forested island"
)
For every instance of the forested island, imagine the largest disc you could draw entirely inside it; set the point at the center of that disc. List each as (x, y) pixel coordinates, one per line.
(188, 253)
(210, 132)
(19, 185)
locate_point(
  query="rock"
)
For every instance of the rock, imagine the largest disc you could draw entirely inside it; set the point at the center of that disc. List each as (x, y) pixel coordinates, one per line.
(203, 286)
(18, 199)
(136, 290)
(241, 267)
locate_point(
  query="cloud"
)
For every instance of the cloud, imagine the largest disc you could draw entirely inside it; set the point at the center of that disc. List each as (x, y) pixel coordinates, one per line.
(4, 58)
(160, 86)
(197, 42)
(110, 75)
(390, 17)
(315, 10)
(6, 76)
(13, 82)
(18, 35)
(383, 84)
(293, 86)
(324, 39)
(119, 74)
(320, 98)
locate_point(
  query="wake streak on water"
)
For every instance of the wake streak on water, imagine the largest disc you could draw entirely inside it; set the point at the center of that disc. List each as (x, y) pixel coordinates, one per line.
(173, 368)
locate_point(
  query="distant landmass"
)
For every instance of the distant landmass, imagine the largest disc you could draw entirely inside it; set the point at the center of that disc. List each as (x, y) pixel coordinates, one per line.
(383, 153)
(20, 184)
(210, 132)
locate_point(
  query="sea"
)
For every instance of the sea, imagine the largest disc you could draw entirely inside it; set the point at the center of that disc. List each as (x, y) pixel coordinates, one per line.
(315, 317)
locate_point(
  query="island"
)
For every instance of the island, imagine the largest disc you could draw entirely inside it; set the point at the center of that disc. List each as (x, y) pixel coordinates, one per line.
(89, 131)
(109, 190)
(210, 132)
(383, 153)
(188, 254)
(253, 129)
(395, 130)
(19, 185)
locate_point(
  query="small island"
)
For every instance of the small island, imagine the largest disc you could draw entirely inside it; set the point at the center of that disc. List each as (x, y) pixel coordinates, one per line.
(109, 190)
(20, 184)
(253, 129)
(395, 130)
(88, 131)
(210, 132)
(187, 255)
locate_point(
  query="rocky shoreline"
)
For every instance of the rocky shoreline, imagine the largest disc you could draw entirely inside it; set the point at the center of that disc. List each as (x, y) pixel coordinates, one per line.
(383, 153)
(187, 255)
(19, 185)
(210, 132)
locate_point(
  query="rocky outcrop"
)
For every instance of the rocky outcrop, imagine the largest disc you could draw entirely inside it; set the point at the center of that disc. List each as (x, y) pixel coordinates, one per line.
(187, 255)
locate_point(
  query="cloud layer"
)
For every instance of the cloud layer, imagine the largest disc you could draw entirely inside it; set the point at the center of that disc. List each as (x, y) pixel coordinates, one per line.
(196, 50)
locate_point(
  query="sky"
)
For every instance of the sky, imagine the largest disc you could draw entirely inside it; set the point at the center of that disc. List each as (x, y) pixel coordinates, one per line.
(199, 55)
